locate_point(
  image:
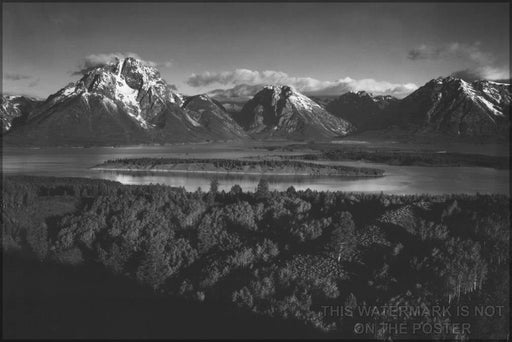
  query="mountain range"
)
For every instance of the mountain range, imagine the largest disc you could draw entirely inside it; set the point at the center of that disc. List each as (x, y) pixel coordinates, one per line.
(15, 109)
(127, 102)
(362, 109)
(455, 107)
(444, 106)
(281, 111)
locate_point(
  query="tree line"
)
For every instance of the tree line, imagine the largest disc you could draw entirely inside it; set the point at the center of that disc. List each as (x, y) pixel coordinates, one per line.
(400, 157)
(239, 164)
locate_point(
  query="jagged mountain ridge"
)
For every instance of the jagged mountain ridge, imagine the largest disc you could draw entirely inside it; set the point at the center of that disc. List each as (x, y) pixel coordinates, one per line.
(127, 102)
(14, 110)
(211, 114)
(453, 106)
(120, 103)
(281, 111)
(445, 105)
(361, 108)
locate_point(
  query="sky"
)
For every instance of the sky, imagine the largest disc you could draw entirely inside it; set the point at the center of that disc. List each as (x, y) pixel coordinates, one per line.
(319, 48)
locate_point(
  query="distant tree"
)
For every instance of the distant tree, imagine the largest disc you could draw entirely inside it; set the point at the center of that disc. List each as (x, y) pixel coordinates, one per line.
(262, 190)
(429, 230)
(267, 250)
(214, 185)
(236, 190)
(291, 191)
(243, 297)
(212, 231)
(242, 258)
(214, 189)
(154, 268)
(308, 230)
(239, 215)
(343, 240)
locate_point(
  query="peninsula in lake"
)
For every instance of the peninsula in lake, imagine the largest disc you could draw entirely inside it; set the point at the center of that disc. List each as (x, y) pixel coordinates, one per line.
(245, 167)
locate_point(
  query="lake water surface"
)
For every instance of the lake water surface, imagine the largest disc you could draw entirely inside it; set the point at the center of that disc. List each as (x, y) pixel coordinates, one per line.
(76, 162)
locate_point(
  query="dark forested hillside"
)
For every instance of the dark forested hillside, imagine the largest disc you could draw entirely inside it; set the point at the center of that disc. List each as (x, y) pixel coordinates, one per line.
(292, 255)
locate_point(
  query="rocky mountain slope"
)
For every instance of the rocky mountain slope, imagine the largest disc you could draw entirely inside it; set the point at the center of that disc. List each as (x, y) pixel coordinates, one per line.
(281, 111)
(453, 106)
(361, 108)
(126, 102)
(15, 109)
(211, 114)
(443, 107)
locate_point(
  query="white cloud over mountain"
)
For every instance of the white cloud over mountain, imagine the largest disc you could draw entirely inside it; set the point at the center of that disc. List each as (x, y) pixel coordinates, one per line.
(480, 64)
(303, 84)
(471, 52)
(95, 60)
(14, 76)
(482, 73)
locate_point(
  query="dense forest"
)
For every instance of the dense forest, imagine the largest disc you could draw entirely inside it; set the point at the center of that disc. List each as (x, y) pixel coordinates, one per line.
(290, 256)
(270, 166)
(400, 157)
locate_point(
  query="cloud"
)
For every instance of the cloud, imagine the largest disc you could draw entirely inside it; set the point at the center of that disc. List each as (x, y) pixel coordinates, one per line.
(166, 64)
(482, 73)
(238, 76)
(480, 64)
(308, 85)
(370, 85)
(101, 59)
(238, 92)
(468, 52)
(33, 83)
(16, 76)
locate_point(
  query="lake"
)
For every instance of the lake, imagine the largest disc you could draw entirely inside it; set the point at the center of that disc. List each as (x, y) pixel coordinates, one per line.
(76, 162)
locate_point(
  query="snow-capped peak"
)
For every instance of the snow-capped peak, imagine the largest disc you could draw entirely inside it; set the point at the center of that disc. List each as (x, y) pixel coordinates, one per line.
(362, 93)
(274, 93)
(126, 84)
(302, 101)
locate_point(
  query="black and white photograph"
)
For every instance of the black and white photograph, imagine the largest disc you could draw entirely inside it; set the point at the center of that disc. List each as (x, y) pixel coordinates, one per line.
(255, 170)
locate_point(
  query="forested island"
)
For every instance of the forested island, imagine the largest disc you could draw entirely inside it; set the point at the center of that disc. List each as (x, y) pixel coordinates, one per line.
(237, 166)
(292, 257)
(397, 157)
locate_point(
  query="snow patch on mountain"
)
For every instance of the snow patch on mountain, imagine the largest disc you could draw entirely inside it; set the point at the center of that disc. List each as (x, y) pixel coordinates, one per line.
(490, 106)
(127, 95)
(280, 110)
(456, 107)
(192, 121)
(303, 102)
